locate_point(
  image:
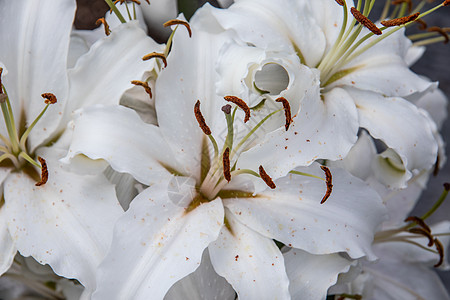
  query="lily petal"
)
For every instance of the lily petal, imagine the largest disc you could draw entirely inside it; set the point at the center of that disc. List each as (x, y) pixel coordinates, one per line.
(245, 258)
(58, 223)
(7, 246)
(311, 275)
(155, 244)
(293, 215)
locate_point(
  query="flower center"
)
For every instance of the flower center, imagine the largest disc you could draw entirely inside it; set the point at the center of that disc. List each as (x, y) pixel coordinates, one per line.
(14, 148)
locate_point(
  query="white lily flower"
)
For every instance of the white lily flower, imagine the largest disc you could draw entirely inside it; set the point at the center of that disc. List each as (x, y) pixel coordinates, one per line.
(370, 72)
(58, 221)
(198, 200)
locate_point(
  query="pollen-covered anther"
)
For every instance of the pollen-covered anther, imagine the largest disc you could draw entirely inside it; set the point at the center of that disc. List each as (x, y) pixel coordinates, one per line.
(266, 178)
(226, 164)
(446, 3)
(44, 172)
(145, 85)
(156, 55)
(200, 119)
(49, 98)
(103, 21)
(409, 2)
(419, 222)
(400, 21)
(329, 182)
(242, 105)
(179, 22)
(340, 2)
(226, 109)
(287, 111)
(440, 31)
(365, 21)
(440, 250)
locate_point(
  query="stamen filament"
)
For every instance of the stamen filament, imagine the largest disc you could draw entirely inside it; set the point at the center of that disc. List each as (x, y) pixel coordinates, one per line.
(306, 174)
(438, 202)
(10, 125)
(29, 159)
(115, 10)
(8, 155)
(430, 41)
(24, 137)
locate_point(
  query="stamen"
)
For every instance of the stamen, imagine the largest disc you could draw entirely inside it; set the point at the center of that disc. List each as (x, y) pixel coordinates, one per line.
(340, 2)
(365, 21)
(200, 119)
(424, 233)
(287, 111)
(446, 3)
(441, 31)
(266, 178)
(158, 55)
(44, 172)
(329, 181)
(144, 85)
(400, 21)
(440, 250)
(226, 164)
(179, 22)
(422, 24)
(242, 105)
(49, 98)
(226, 109)
(419, 222)
(397, 2)
(103, 21)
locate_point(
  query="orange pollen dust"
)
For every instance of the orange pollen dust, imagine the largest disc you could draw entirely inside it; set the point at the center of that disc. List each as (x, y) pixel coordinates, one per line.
(226, 164)
(242, 105)
(49, 98)
(158, 55)
(365, 21)
(266, 178)
(440, 31)
(103, 21)
(44, 172)
(400, 21)
(329, 180)
(179, 22)
(287, 111)
(145, 85)
(200, 119)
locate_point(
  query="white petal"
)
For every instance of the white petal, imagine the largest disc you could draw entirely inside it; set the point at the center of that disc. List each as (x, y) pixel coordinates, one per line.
(117, 135)
(158, 12)
(190, 76)
(311, 275)
(400, 125)
(34, 42)
(7, 246)
(245, 258)
(435, 103)
(156, 243)
(293, 215)
(323, 129)
(105, 72)
(66, 223)
(203, 284)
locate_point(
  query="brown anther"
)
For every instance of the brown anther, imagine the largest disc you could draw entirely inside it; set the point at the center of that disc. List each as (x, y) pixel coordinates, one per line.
(1, 86)
(226, 109)
(226, 164)
(400, 21)
(419, 222)
(242, 105)
(287, 111)
(440, 31)
(446, 3)
(440, 250)
(200, 119)
(424, 233)
(135, 1)
(329, 181)
(49, 98)
(44, 172)
(144, 85)
(447, 186)
(179, 22)
(158, 55)
(340, 2)
(266, 178)
(365, 21)
(103, 21)
(422, 24)
(409, 2)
